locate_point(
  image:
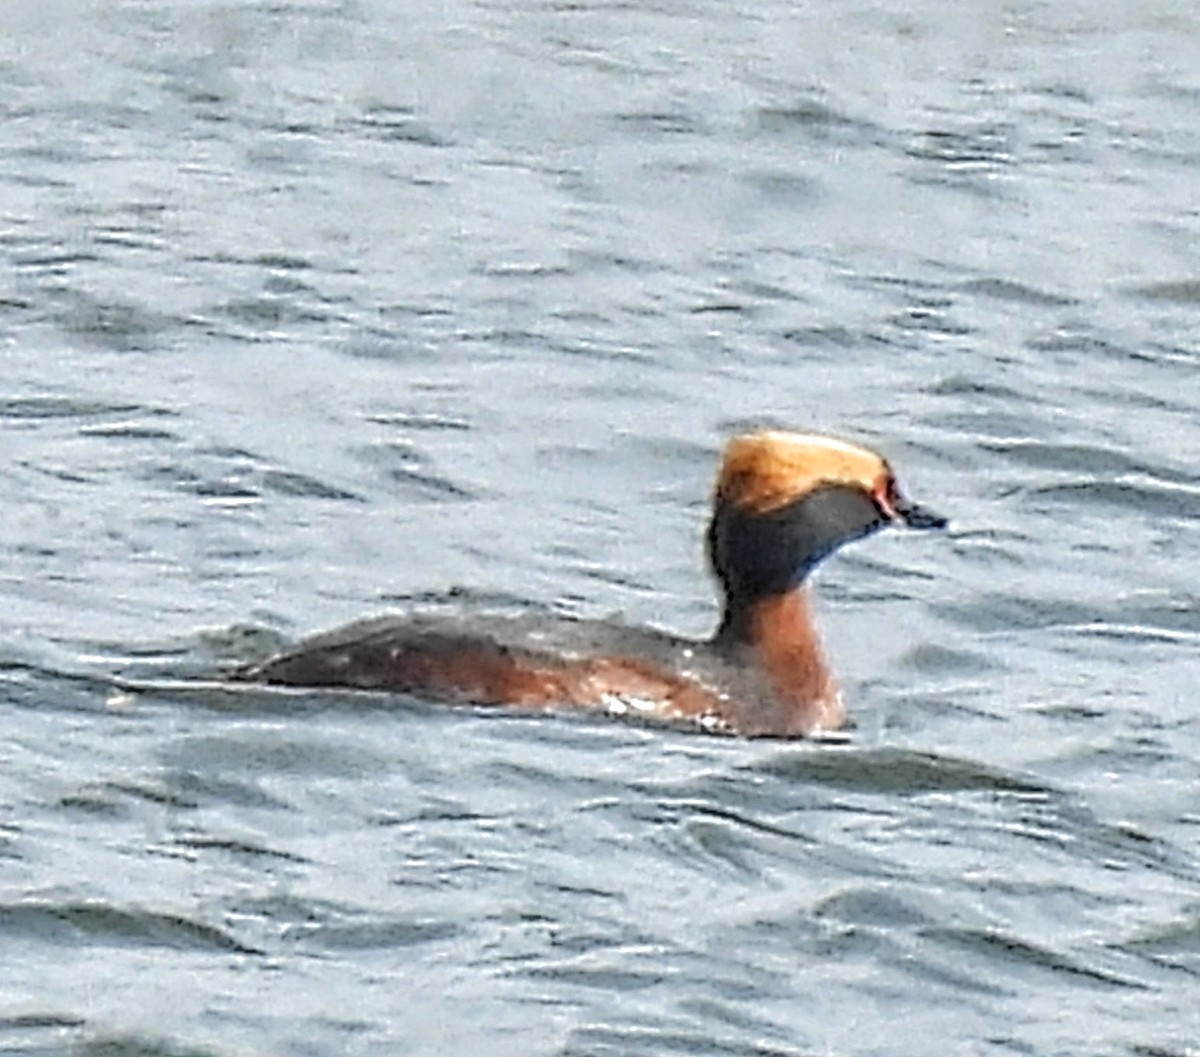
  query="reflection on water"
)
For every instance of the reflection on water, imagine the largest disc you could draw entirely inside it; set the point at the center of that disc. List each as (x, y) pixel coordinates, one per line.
(316, 310)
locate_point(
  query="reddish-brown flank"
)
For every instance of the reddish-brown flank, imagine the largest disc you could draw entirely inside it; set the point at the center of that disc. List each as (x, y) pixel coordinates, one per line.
(485, 676)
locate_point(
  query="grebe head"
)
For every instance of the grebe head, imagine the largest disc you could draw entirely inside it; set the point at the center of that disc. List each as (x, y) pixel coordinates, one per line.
(786, 500)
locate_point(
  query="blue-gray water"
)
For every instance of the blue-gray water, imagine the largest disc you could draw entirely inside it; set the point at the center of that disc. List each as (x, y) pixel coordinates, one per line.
(309, 307)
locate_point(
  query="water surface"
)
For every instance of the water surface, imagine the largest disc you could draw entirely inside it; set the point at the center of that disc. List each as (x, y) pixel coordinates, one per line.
(308, 309)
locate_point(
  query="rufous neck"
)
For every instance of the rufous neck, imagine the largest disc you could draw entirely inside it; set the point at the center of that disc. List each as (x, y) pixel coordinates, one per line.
(779, 634)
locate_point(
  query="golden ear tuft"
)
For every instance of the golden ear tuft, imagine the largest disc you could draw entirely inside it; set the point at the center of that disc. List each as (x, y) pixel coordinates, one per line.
(762, 472)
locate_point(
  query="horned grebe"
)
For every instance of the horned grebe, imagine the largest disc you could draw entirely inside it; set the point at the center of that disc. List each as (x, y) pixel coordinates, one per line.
(783, 502)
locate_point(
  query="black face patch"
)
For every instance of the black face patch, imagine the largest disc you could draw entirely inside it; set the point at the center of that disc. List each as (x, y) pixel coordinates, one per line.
(759, 555)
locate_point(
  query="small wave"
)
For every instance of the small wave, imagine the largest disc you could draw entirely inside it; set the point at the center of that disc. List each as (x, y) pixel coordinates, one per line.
(893, 770)
(996, 946)
(102, 923)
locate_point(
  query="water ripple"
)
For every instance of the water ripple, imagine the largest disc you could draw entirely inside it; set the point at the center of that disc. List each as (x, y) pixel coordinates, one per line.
(101, 923)
(893, 771)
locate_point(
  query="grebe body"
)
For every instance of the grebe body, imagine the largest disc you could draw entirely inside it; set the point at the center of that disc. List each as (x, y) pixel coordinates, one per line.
(783, 502)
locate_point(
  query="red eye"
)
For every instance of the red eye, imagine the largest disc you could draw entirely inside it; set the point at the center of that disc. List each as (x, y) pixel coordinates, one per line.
(887, 497)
